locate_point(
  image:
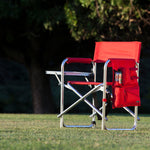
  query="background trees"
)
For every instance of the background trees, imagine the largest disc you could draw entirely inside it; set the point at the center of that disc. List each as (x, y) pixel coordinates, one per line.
(24, 38)
(41, 33)
(109, 19)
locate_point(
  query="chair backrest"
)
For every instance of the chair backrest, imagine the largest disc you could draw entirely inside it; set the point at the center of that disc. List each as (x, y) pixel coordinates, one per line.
(126, 50)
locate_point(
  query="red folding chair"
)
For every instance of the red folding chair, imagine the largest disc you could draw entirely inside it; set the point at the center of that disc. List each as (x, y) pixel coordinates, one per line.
(123, 58)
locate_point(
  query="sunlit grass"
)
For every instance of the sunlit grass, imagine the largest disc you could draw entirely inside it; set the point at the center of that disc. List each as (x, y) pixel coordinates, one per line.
(38, 132)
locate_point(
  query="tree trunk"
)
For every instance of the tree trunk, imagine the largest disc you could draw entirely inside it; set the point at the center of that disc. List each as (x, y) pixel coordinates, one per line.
(41, 95)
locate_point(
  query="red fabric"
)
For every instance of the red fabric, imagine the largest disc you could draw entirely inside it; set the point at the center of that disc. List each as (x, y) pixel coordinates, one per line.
(87, 83)
(128, 92)
(106, 50)
(122, 63)
(104, 100)
(127, 67)
(126, 96)
(79, 60)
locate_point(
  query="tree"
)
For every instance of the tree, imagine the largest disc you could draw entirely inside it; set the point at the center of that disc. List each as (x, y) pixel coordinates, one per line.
(108, 19)
(26, 33)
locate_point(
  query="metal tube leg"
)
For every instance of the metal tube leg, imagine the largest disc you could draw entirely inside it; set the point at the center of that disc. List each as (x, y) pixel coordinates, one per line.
(94, 99)
(103, 114)
(62, 93)
(62, 103)
(136, 114)
(104, 94)
(93, 111)
(61, 122)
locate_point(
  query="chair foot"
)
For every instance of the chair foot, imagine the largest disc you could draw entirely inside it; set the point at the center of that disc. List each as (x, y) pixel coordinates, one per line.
(119, 129)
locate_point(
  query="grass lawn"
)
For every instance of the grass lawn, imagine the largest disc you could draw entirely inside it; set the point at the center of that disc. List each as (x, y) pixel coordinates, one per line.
(42, 132)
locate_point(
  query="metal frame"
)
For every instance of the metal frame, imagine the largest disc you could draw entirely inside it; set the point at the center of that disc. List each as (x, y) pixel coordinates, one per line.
(81, 97)
(102, 87)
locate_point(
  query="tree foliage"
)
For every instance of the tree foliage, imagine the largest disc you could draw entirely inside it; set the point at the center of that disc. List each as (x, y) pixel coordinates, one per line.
(108, 19)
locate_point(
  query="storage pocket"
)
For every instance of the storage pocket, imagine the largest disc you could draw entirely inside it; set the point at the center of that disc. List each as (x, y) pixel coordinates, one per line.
(118, 97)
(133, 96)
(126, 96)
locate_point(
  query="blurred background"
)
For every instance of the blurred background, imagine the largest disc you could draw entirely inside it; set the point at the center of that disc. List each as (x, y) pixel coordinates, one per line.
(36, 35)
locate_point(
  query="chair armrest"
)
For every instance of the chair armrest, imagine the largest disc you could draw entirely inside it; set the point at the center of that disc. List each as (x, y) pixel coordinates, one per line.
(79, 60)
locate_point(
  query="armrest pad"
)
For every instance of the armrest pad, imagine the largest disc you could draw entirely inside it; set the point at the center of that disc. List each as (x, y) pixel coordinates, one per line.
(79, 60)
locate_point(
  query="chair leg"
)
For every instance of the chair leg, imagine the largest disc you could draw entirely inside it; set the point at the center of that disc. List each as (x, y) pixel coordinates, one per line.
(136, 115)
(103, 115)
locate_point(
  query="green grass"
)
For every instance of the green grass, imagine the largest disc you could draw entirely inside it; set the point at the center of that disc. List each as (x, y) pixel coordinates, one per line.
(42, 132)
